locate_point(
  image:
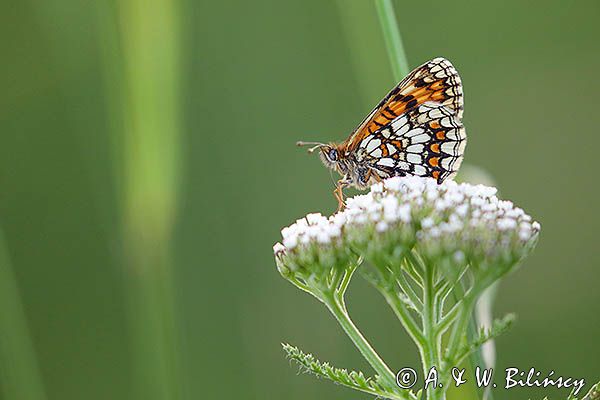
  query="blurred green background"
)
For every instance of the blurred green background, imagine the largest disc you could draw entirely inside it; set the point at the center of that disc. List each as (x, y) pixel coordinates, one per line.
(147, 164)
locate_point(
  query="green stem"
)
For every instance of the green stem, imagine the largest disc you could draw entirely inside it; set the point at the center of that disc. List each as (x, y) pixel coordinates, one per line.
(460, 327)
(404, 316)
(458, 335)
(388, 291)
(335, 276)
(360, 342)
(430, 353)
(345, 281)
(340, 289)
(449, 318)
(392, 38)
(408, 290)
(413, 266)
(412, 271)
(445, 288)
(305, 288)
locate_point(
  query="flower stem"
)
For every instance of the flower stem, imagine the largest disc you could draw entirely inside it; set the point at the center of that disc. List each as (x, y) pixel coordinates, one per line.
(341, 288)
(360, 342)
(460, 327)
(391, 275)
(409, 291)
(403, 315)
(430, 352)
(392, 38)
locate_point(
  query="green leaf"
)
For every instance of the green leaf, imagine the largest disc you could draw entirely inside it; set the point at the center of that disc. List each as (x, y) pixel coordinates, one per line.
(593, 394)
(353, 379)
(499, 326)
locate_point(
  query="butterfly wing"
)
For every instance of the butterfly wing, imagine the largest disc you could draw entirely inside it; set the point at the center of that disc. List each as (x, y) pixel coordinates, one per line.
(429, 140)
(435, 81)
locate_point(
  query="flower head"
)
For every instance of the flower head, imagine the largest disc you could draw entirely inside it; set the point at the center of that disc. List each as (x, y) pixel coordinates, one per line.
(312, 243)
(463, 223)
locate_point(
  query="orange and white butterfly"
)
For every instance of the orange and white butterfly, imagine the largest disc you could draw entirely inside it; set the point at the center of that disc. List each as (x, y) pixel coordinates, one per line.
(415, 130)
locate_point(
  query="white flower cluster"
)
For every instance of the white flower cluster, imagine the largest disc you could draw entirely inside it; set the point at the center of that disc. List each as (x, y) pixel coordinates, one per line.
(314, 227)
(441, 218)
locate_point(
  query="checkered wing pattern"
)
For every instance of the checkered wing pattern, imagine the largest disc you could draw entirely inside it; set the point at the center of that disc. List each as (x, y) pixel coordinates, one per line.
(428, 140)
(435, 81)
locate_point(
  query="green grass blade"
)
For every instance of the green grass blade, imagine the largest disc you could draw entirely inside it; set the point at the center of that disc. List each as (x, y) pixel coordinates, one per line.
(392, 38)
(19, 372)
(142, 68)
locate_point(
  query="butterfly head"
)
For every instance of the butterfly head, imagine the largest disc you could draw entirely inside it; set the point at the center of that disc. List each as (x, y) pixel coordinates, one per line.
(336, 157)
(330, 154)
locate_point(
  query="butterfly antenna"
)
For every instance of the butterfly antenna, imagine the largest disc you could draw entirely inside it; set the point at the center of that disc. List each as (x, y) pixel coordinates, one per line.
(315, 145)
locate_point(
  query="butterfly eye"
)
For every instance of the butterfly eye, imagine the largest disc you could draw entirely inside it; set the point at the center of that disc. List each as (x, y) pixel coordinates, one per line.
(332, 155)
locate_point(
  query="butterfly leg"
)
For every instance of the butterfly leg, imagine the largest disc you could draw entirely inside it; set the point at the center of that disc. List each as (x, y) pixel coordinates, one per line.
(338, 192)
(373, 174)
(339, 196)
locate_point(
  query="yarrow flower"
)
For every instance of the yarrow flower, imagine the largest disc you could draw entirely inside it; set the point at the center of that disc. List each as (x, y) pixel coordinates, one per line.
(422, 241)
(313, 242)
(459, 222)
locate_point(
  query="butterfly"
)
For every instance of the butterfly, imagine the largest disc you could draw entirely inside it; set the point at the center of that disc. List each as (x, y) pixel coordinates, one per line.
(415, 130)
